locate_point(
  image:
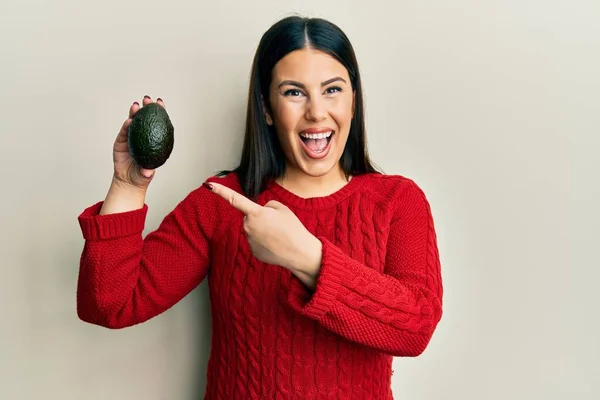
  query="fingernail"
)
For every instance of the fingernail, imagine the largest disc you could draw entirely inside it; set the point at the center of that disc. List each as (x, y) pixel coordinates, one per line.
(136, 103)
(158, 99)
(208, 186)
(146, 97)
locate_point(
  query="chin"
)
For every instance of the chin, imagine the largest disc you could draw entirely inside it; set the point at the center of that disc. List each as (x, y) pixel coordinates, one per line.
(320, 170)
(319, 167)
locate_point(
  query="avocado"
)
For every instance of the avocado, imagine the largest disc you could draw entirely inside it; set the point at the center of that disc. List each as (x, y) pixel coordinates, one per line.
(150, 136)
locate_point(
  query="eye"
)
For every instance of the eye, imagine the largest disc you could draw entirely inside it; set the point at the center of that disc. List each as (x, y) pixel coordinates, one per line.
(333, 89)
(292, 93)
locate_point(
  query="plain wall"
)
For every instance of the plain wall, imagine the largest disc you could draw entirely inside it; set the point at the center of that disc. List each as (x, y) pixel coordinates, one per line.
(491, 107)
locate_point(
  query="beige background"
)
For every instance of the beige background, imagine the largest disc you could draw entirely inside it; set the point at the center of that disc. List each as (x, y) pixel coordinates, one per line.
(492, 107)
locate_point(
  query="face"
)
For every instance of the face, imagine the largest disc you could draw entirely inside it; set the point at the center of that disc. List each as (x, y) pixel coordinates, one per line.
(312, 105)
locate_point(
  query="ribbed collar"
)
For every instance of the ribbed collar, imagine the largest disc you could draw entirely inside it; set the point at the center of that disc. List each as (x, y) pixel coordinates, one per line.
(314, 203)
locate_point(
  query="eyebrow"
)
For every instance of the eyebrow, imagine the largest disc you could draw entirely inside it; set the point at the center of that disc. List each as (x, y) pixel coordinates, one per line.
(300, 85)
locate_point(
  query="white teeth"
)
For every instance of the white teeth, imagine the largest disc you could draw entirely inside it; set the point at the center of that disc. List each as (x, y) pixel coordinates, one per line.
(316, 135)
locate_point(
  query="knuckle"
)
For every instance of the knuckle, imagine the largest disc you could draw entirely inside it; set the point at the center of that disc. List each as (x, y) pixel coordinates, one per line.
(273, 204)
(231, 200)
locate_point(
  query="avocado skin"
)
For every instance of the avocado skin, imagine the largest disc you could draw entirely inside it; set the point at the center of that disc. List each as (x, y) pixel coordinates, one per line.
(151, 136)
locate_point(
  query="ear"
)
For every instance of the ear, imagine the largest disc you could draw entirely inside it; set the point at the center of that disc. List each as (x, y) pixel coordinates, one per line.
(267, 115)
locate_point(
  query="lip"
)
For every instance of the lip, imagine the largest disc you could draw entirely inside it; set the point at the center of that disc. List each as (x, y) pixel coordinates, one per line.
(317, 130)
(316, 156)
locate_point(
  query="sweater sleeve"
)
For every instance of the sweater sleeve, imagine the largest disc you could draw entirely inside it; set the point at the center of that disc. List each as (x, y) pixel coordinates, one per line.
(395, 311)
(125, 279)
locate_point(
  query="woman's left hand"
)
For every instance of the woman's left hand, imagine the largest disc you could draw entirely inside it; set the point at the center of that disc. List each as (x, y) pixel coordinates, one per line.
(276, 235)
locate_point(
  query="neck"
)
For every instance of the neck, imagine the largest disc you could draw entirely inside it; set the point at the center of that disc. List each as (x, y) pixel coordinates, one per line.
(304, 185)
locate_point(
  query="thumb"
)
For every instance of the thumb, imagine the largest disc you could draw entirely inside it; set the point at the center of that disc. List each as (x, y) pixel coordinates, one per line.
(147, 173)
(276, 205)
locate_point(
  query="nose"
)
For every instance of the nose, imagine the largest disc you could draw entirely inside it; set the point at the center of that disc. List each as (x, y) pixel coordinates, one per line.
(316, 109)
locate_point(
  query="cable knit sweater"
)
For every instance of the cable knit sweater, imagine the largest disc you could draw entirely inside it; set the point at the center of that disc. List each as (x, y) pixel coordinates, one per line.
(378, 293)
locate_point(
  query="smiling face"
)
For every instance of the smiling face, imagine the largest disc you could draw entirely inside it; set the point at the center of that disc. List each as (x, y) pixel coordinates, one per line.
(312, 105)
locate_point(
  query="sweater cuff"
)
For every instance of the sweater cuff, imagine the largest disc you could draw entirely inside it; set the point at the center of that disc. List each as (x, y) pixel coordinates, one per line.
(97, 227)
(316, 304)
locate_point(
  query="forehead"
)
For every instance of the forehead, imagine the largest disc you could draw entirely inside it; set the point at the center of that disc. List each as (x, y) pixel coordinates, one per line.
(308, 66)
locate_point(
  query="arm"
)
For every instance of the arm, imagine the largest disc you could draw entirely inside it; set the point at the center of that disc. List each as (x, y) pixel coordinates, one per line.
(125, 279)
(395, 311)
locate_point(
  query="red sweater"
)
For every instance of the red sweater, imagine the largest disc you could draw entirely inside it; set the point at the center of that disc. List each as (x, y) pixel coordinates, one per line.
(378, 294)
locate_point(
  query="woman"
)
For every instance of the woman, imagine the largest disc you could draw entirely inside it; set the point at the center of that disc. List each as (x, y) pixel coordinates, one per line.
(320, 268)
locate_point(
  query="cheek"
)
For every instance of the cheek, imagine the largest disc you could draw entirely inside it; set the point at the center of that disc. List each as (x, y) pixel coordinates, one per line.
(288, 114)
(342, 112)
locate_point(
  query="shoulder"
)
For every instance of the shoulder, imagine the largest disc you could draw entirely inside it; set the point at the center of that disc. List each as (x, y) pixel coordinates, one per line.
(390, 188)
(398, 196)
(208, 209)
(202, 199)
(229, 180)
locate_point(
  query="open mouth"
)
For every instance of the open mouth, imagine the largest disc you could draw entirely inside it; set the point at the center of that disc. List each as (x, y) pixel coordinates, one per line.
(316, 144)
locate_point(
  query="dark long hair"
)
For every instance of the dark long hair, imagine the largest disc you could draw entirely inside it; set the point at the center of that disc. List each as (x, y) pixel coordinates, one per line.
(262, 158)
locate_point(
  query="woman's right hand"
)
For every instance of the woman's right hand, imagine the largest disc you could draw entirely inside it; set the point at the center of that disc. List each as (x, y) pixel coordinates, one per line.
(126, 171)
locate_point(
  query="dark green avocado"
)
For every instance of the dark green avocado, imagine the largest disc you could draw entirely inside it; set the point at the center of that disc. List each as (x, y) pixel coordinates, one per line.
(151, 136)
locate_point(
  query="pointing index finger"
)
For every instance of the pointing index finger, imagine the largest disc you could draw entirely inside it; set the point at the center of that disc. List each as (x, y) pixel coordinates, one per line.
(237, 200)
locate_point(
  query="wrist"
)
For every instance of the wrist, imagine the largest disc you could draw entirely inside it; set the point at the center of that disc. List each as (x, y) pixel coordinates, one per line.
(309, 261)
(126, 189)
(119, 184)
(123, 197)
